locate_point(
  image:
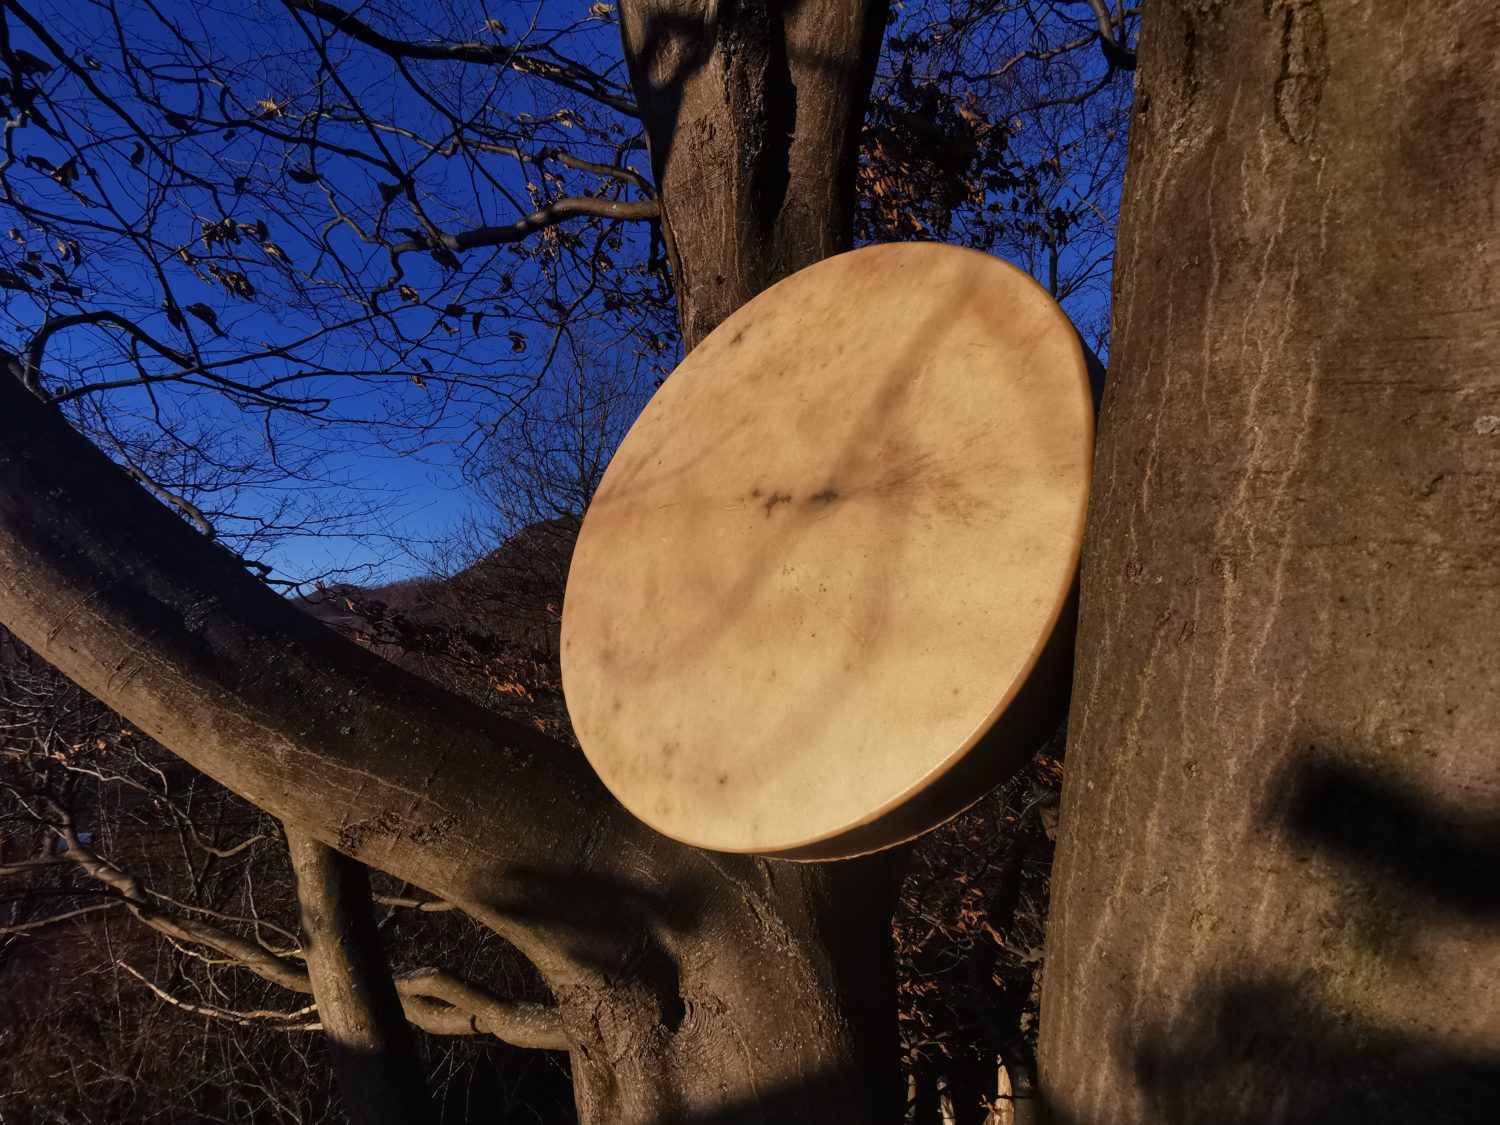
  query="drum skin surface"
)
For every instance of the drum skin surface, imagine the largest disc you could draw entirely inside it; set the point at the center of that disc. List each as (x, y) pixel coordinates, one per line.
(822, 600)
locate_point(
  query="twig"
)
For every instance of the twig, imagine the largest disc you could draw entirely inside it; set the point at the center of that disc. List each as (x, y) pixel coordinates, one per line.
(245, 1019)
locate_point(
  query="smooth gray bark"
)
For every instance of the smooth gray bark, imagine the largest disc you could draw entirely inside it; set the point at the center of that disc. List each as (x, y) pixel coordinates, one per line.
(1276, 897)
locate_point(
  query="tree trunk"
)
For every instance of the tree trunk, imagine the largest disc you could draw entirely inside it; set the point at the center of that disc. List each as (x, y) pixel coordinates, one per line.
(753, 112)
(1276, 895)
(380, 1077)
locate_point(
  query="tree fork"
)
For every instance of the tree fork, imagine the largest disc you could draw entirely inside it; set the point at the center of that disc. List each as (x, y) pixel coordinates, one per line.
(688, 985)
(753, 114)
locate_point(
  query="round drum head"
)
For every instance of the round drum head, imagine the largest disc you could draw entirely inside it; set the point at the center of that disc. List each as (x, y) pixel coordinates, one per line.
(822, 600)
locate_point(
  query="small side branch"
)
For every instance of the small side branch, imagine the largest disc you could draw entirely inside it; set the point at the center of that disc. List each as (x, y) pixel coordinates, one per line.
(551, 214)
(516, 1022)
(560, 72)
(31, 368)
(432, 1000)
(425, 906)
(289, 1021)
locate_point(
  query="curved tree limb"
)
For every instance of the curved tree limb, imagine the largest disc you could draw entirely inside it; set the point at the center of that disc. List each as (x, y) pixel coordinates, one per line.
(36, 349)
(168, 629)
(516, 1022)
(433, 1000)
(1115, 52)
(631, 932)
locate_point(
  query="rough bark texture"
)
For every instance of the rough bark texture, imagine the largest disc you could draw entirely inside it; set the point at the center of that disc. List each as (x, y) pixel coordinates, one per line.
(1275, 898)
(752, 112)
(380, 1078)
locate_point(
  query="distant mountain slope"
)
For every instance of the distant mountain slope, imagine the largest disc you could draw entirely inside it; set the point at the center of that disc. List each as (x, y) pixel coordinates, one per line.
(489, 632)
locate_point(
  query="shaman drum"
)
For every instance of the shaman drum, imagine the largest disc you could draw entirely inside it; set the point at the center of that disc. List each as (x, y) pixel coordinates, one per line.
(823, 599)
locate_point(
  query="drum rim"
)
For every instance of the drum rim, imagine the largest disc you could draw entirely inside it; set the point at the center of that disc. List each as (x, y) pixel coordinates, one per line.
(1053, 642)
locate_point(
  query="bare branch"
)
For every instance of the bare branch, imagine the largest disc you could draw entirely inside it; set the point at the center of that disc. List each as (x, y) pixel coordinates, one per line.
(164, 494)
(516, 1022)
(55, 919)
(426, 906)
(10, 869)
(569, 75)
(435, 1001)
(243, 1018)
(546, 216)
(31, 371)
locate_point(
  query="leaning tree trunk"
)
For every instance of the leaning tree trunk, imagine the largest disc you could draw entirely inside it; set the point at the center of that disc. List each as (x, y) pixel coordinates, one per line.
(1276, 895)
(379, 1074)
(689, 987)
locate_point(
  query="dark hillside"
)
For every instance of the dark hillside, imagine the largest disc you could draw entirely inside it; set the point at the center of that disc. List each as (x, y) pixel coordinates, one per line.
(489, 632)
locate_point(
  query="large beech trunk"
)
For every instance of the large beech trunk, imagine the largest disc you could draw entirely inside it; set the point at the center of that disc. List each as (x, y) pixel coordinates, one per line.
(689, 986)
(1275, 898)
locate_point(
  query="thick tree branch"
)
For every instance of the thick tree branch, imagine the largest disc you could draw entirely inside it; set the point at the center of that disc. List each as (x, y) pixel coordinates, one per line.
(1114, 51)
(516, 1022)
(626, 927)
(167, 628)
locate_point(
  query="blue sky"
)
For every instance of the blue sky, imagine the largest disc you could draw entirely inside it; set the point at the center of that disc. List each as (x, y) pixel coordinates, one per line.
(222, 239)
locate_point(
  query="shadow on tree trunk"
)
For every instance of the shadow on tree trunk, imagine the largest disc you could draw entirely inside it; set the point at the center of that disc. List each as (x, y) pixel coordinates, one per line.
(1295, 1036)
